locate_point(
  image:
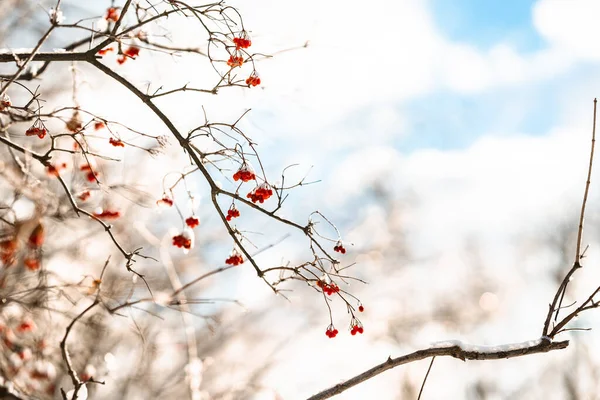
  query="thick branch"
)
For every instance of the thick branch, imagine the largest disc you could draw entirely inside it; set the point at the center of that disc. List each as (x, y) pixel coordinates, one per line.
(453, 349)
(45, 56)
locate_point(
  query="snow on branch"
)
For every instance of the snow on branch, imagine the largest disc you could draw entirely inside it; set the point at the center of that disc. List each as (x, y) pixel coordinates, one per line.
(452, 348)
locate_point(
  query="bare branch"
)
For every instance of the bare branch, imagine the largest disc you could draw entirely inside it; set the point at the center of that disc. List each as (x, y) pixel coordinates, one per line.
(453, 350)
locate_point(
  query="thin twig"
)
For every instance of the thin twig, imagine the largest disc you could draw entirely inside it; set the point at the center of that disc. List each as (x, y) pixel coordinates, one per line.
(556, 304)
(425, 379)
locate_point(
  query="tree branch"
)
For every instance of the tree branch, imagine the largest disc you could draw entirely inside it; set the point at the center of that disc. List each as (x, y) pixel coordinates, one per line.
(453, 349)
(6, 57)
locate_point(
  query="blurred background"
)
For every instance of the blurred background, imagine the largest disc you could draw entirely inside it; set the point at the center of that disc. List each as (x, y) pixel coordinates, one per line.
(450, 142)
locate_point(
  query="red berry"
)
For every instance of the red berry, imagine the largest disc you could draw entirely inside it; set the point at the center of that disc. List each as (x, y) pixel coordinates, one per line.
(116, 142)
(31, 264)
(260, 193)
(36, 131)
(361, 308)
(235, 258)
(331, 332)
(339, 247)
(192, 222)
(26, 326)
(83, 196)
(245, 173)
(232, 213)
(36, 238)
(112, 14)
(235, 61)
(103, 52)
(107, 214)
(182, 241)
(165, 202)
(253, 80)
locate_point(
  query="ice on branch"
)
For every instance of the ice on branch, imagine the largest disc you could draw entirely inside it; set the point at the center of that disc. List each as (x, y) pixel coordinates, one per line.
(56, 16)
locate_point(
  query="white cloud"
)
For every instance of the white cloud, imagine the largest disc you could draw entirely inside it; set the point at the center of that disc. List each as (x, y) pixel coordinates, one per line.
(570, 25)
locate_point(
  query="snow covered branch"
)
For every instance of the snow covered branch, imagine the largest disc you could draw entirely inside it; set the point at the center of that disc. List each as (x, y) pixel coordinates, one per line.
(453, 348)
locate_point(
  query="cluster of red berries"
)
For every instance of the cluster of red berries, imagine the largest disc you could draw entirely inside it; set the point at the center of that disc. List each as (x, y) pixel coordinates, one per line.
(37, 236)
(83, 196)
(235, 61)
(54, 170)
(339, 247)
(36, 131)
(116, 142)
(260, 193)
(112, 14)
(103, 52)
(26, 326)
(99, 125)
(328, 288)
(32, 264)
(8, 249)
(166, 201)
(235, 258)
(242, 42)
(130, 52)
(331, 332)
(232, 213)
(182, 241)
(5, 102)
(192, 222)
(107, 214)
(90, 175)
(245, 173)
(253, 80)
(356, 327)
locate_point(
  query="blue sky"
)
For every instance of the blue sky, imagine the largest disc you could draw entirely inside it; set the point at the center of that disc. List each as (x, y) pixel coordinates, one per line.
(484, 23)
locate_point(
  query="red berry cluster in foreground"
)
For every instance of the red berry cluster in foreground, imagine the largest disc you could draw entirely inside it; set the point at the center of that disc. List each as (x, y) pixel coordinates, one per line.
(331, 332)
(166, 201)
(112, 14)
(182, 241)
(235, 61)
(235, 258)
(260, 193)
(36, 131)
(339, 247)
(242, 42)
(232, 213)
(131, 52)
(116, 142)
(328, 288)
(192, 222)
(245, 173)
(356, 327)
(253, 80)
